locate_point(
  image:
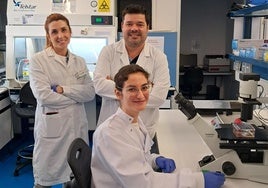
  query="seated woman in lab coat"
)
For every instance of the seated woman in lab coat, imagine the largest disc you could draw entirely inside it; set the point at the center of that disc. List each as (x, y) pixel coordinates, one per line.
(121, 145)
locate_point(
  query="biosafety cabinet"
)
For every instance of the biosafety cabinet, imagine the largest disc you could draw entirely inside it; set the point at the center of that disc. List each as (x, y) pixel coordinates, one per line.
(93, 25)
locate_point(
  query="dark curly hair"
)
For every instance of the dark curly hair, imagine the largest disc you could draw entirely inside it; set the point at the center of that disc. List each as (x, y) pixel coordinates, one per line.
(122, 75)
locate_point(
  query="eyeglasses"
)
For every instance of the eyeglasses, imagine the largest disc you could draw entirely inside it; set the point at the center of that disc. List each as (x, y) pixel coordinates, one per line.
(134, 90)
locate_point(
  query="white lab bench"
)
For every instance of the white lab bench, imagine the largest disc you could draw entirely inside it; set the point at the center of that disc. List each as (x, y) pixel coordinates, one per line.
(179, 140)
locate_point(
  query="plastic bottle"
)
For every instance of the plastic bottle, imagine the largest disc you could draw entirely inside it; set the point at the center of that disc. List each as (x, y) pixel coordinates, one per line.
(265, 56)
(25, 69)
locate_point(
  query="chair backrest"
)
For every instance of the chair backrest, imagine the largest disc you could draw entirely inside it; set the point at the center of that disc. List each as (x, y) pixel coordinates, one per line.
(26, 95)
(26, 106)
(194, 76)
(79, 159)
(193, 79)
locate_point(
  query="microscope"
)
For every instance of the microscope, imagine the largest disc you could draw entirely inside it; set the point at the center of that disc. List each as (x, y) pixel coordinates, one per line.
(248, 94)
(241, 158)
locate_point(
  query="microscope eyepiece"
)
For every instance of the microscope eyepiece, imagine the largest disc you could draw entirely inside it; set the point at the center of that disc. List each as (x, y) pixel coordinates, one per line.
(185, 106)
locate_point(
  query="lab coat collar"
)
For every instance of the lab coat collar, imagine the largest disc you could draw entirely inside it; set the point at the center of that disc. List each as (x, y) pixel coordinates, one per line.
(121, 48)
(51, 53)
(124, 115)
(148, 141)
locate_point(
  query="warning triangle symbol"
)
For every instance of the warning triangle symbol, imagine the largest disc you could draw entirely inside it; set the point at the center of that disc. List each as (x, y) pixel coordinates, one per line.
(104, 5)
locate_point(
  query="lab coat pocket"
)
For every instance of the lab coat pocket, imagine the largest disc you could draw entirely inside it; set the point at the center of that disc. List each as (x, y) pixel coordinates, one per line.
(52, 125)
(80, 75)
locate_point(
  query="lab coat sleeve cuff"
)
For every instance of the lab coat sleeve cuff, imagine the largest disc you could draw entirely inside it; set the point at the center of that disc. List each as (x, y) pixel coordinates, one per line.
(190, 179)
(154, 156)
(66, 90)
(200, 182)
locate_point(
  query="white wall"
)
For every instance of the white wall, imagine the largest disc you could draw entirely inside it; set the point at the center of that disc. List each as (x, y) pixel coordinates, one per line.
(166, 16)
(202, 26)
(205, 28)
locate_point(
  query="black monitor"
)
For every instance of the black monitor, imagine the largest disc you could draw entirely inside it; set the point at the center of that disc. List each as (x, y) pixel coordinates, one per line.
(187, 61)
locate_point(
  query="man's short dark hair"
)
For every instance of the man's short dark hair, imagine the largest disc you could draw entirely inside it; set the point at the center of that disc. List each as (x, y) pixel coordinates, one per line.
(136, 9)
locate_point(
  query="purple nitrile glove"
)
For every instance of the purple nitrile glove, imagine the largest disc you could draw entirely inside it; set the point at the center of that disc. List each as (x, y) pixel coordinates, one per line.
(54, 88)
(214, 179)
(165, 164)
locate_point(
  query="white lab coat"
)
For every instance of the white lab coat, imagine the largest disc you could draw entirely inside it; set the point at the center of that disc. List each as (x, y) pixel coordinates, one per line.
(121, 158)
(54, 133)
(115, 56)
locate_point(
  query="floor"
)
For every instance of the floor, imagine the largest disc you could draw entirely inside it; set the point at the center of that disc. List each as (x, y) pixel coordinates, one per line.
(8, 163)
(8, 155)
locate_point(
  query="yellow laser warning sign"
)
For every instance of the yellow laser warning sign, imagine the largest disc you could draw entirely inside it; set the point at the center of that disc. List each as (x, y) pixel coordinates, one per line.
(104, 5)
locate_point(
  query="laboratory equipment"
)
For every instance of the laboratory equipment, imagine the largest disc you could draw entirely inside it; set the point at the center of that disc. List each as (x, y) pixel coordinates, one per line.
(2, 61)
(248, 94)
(93, 27)
(216, 63)
(235, 157)
(6, 131)
(248, 86)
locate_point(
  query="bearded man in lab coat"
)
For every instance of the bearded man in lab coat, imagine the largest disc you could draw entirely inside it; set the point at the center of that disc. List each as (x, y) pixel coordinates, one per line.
(132, 49)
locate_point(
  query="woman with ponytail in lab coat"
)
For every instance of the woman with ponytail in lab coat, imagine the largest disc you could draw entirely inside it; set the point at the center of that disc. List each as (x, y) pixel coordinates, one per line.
(61, 84)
